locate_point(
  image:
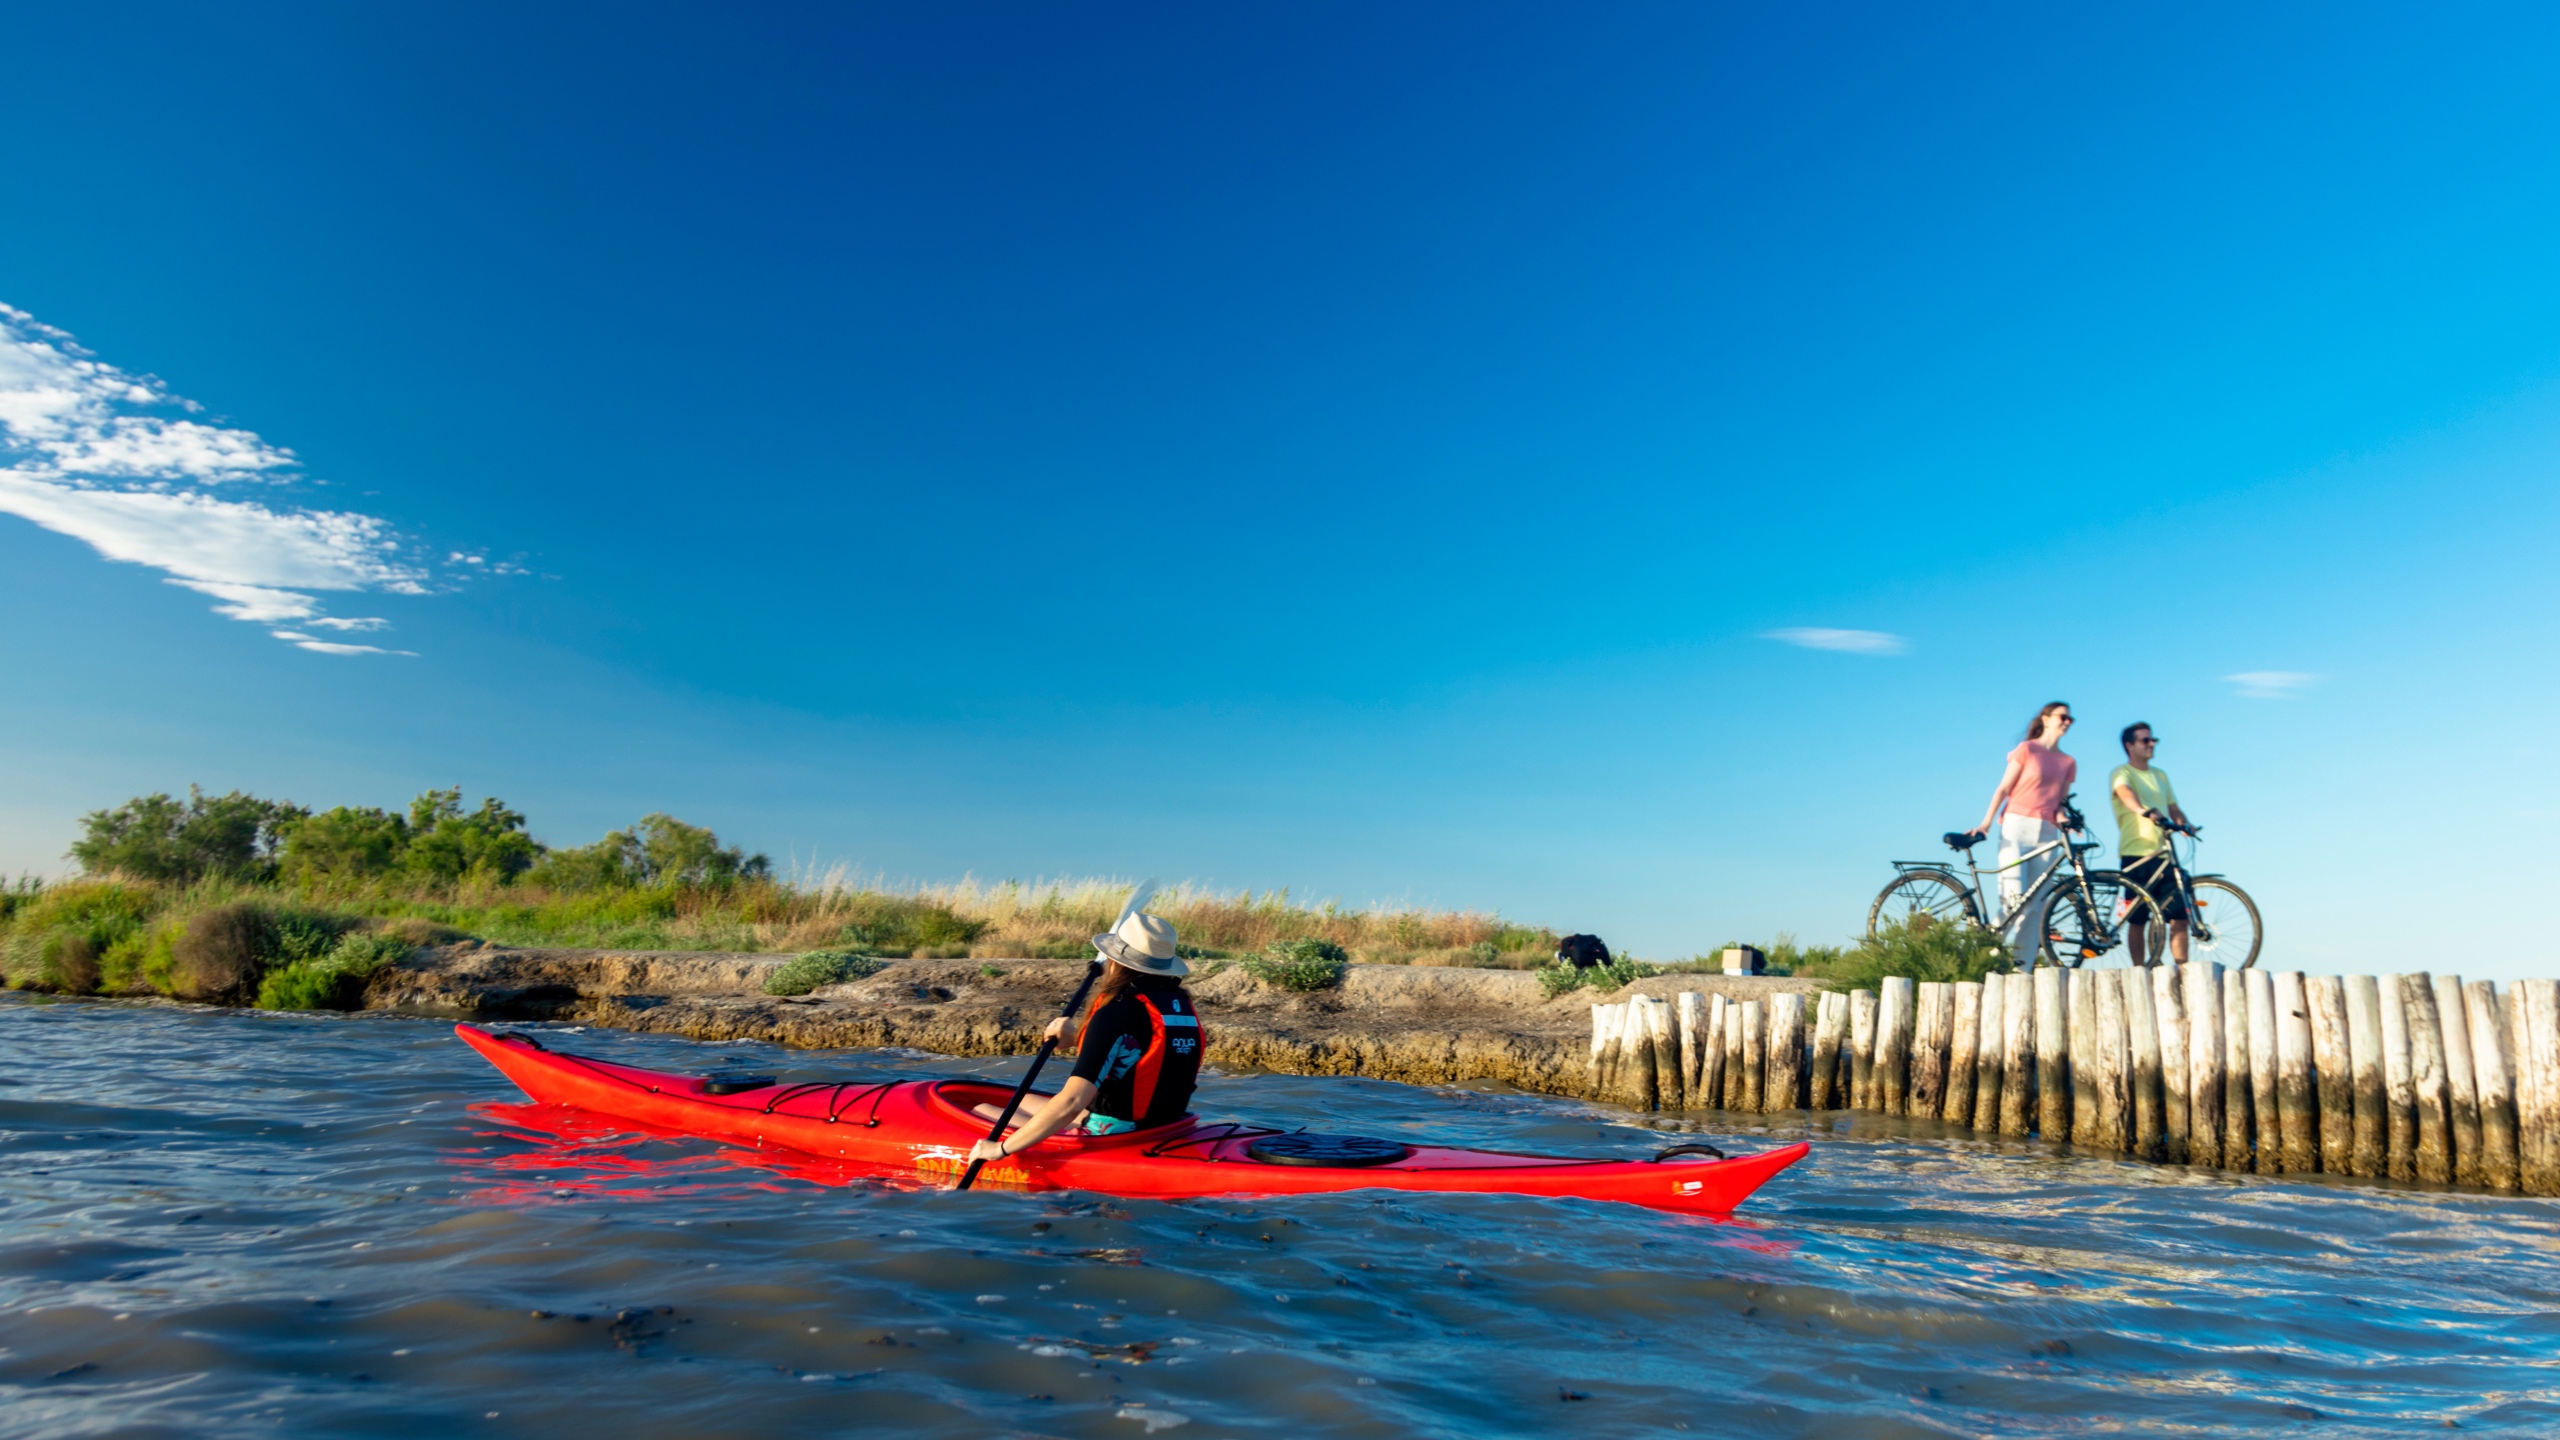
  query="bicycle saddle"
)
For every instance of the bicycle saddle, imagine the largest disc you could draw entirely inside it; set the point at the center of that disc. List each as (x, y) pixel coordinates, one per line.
(1960, 840)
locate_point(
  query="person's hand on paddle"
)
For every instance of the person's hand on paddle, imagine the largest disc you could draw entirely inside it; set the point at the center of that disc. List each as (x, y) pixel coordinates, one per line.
(1057, 1029)
(987, 1150)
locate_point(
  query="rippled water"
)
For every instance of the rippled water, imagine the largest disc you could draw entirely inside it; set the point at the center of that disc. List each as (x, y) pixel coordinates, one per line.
(216, 1222)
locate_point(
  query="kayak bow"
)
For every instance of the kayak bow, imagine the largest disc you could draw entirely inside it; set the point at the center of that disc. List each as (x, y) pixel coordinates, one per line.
(927, 1126)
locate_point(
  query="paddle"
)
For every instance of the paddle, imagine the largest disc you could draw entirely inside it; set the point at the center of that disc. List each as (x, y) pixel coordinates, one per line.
(1137, 898)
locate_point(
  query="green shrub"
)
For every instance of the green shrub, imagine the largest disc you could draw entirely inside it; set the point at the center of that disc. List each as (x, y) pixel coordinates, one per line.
(1616, 975)
(153, 837)
(1920, 949)
(224, 953)
(60, 935)
(804, 973)
(1485, 952)
(1301, 965)
(333, 981)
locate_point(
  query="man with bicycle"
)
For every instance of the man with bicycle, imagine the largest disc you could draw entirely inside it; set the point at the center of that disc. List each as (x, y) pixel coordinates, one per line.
(2143, 799)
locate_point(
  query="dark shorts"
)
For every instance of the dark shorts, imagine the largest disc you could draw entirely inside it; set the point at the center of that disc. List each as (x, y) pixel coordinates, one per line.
(2150, 875)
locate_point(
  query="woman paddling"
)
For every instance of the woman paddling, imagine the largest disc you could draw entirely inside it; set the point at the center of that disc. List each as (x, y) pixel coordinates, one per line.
(2033, 787)
(1138, 1055)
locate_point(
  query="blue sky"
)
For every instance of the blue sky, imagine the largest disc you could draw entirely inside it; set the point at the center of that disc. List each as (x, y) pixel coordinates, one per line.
(1360, 451)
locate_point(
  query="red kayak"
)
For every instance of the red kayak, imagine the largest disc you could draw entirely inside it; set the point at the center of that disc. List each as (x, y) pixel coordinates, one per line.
(925, 1127)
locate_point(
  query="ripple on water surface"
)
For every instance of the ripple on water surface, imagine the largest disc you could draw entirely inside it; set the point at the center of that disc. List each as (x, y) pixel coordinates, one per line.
(215, 1222)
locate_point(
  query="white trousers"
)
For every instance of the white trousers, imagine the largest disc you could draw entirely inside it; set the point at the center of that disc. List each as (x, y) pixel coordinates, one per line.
(2020, 834)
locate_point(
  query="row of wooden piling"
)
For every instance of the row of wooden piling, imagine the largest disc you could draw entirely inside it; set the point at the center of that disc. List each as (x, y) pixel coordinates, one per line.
(2414, 1077)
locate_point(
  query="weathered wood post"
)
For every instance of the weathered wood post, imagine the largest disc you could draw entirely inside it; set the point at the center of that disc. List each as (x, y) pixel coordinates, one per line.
(2142, 1041)
(2266, 1107)
(2537, 1050)
(1733, 1056)
(2434, 1151)
(1643, 1081)
(2017, 1053)
(2495, 1080)
(2237, 1123)
(1687, 1011)
(1987, 1058)
(1862, 1051)
(2399, 1091)
(1787, 1052)
(2202, 984)
(1711, 1056)
(2053, 1055)
(1604, 1034)
(2080, 1001)
(1933, 1024)
(1830, 1026)
(2364, 1045)
(2109, 1049)
(1964, 1043)
(2296, 1099)
(2169, 1011)
(2333, 1048)
(1666, 1053)
(2462, 1089)
(1898, 1000)
(1755, 1057)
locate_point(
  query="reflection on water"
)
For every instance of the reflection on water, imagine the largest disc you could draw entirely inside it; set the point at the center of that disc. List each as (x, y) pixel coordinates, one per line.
(213, 1222)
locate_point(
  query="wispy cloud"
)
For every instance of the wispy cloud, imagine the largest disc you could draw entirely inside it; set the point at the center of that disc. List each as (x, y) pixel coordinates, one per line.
(92, 452)
(1849, 642)
(2271, 684)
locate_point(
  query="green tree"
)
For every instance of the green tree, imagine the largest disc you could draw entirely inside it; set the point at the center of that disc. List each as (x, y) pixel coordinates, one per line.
(347, 843)
(447, 843)
(660, 850)
(154, 837)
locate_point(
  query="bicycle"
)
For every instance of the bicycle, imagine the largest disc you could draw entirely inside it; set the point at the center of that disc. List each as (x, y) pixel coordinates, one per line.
(2230, 936)
(2086, 911)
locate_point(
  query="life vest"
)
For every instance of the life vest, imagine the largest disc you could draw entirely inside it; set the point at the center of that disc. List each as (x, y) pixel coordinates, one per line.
(1166, 1027)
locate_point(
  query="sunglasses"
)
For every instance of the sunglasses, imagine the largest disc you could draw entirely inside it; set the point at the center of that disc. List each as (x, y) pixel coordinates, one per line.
(2146, 739)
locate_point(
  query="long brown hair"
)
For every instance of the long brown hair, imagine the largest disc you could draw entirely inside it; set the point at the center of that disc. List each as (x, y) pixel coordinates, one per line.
(1119, 980)
(2035, 727)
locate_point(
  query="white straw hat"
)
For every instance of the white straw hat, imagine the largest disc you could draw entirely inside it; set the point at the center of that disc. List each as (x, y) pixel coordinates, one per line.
(1144, 943)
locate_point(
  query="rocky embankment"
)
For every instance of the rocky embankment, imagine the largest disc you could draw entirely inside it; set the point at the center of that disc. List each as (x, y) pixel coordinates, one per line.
(1415, 1024)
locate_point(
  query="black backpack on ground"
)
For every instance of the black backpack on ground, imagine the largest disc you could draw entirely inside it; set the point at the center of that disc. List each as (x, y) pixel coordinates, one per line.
(1581, 951)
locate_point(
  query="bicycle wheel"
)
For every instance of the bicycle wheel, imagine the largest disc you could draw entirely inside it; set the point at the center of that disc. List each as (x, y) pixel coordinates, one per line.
(2087, 929)
(2225, 928)
(1932, 897)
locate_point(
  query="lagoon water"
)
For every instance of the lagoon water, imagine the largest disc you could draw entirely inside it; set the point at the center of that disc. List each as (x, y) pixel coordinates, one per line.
(217, 1222)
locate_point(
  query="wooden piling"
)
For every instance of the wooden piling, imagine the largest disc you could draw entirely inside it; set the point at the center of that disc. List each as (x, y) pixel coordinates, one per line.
(1830, 1026)
(2297, 1099)
(2142, 1042)
(2364, 1045)
(2202, 984)
(2017, 1053)
(2266, 1108)
(1785, 1089)
(1964, 1044)
(1711, 1054)
(2238, 1100)
(2169, 1012)
(1687, 1011)
(2461, 1088)
(1862, 1051)
(1730, 1098)
(1933, 1025)
(2434, 1150)
(2495, 1080)
(1666, 1053)
(1604, 1034)
(1755, 1057)
(2053, 1055)
(1897, 999)
(2399, 1092)
(2333, 1050)
(2536, 1031)
(2080, 1001)
(1987, 1057)
(2108, 1048)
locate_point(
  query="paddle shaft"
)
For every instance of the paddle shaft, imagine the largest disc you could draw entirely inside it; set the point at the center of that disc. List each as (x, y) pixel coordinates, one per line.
(1091, 972)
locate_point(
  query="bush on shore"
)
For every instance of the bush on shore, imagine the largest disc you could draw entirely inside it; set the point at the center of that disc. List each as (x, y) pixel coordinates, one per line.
(1301, 965)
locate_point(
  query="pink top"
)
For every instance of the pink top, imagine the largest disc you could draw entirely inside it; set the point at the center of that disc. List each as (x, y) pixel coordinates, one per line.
(2044, 777)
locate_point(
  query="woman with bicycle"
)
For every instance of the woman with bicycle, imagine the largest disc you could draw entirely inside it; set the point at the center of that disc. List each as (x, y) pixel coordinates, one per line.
(2032, 789)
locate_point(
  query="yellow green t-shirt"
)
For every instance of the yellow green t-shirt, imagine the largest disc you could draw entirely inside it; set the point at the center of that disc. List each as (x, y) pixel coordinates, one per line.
(2135, 835)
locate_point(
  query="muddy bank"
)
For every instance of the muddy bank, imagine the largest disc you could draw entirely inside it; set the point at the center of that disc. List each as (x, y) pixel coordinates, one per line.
(1419, 1025)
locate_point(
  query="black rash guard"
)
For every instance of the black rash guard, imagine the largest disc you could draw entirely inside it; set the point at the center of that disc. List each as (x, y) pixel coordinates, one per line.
(1134, 1063)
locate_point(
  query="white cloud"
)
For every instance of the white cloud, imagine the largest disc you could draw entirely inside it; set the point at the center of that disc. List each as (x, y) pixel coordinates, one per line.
(1850, 642)
(2271, 684)
(81, 455)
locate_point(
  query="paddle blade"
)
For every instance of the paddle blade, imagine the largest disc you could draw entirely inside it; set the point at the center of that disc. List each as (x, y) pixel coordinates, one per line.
(1138, 899)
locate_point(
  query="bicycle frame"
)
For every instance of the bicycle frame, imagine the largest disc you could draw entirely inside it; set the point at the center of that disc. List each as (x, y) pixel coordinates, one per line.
(2038, 898)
